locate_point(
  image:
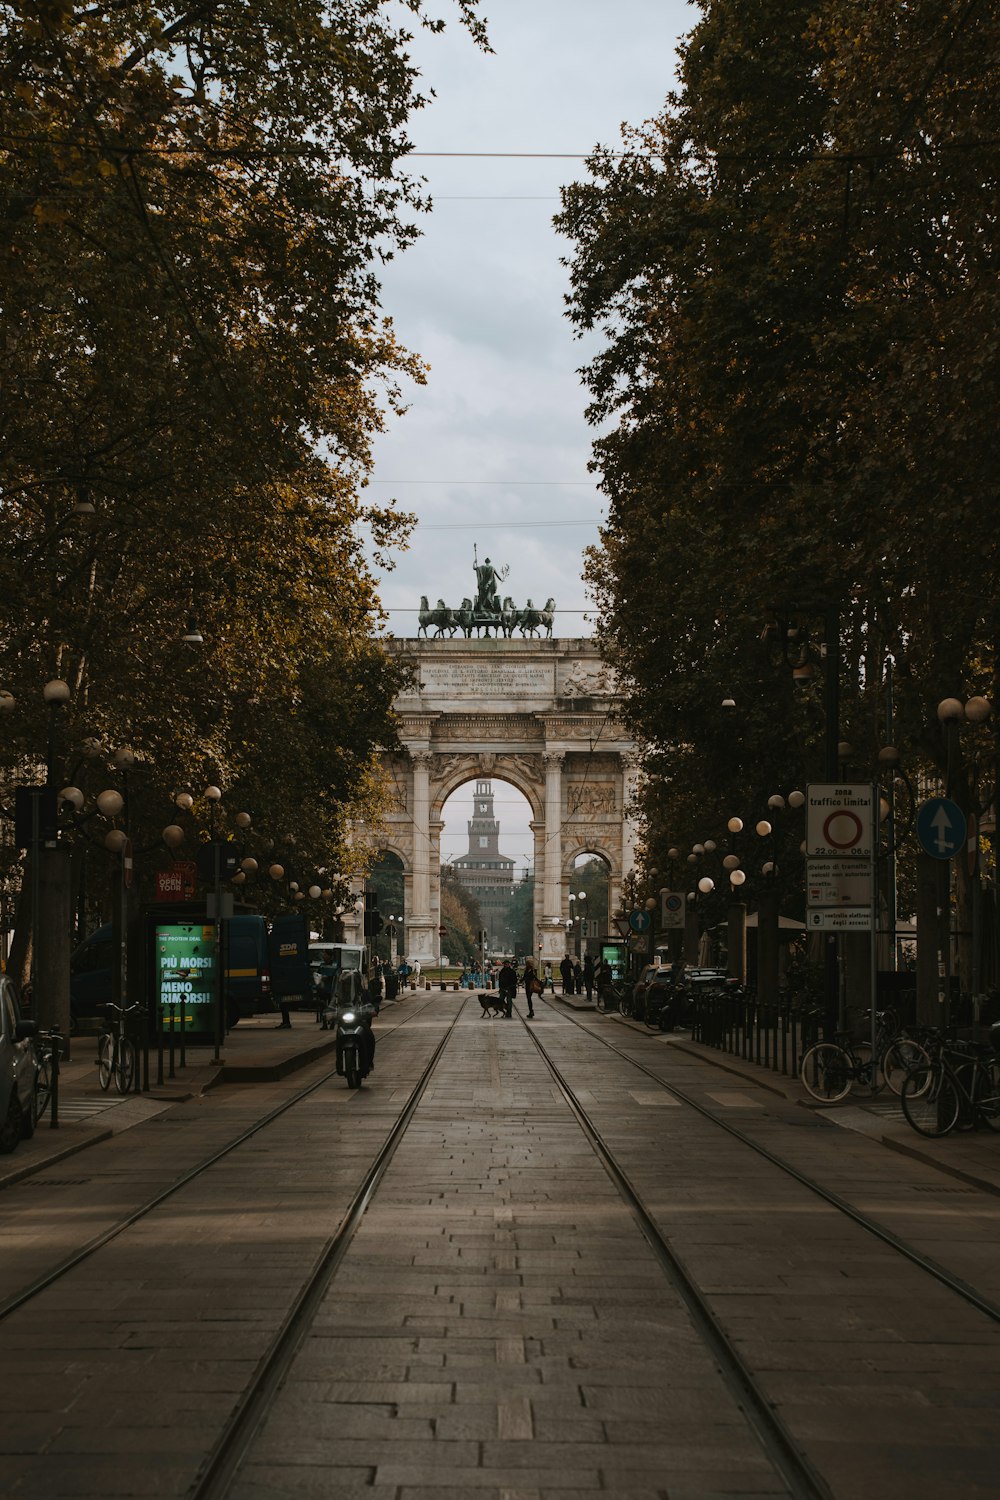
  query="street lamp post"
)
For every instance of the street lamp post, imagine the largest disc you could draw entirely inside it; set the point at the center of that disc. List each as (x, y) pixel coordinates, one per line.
(576, 921)
(736, 916)
(975, 786)
(795, 647)
(51, 905)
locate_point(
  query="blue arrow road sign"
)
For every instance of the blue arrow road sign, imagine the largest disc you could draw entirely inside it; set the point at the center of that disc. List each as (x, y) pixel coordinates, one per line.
(941, 827)
(640, 921)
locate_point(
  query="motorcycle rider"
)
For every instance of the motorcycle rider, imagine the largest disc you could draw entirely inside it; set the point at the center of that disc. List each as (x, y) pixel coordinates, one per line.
(350, 1000)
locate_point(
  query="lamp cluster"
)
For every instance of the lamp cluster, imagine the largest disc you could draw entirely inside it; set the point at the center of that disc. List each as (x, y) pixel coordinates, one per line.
(731, 861)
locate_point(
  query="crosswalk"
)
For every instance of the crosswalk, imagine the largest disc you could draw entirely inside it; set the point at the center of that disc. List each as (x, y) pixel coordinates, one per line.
(86, 1107)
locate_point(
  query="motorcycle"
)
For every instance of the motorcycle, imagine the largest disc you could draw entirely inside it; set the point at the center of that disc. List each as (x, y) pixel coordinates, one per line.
(355, 1042)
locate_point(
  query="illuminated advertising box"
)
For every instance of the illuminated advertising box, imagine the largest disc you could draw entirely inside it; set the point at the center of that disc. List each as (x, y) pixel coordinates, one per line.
(184, 974)
(614, 956)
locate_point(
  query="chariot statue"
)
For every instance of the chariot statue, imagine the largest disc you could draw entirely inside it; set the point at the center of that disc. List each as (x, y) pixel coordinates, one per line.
(487, 612)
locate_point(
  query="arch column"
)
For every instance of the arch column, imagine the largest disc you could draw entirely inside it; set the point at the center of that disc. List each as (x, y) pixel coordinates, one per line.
(421, 934)
(553, 931)
(436, 827)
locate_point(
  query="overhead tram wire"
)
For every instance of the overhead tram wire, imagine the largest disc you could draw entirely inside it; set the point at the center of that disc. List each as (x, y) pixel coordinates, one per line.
(124, 149)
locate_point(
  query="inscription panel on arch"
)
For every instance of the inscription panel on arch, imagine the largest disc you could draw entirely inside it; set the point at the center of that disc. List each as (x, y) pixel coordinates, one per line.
(486, 679)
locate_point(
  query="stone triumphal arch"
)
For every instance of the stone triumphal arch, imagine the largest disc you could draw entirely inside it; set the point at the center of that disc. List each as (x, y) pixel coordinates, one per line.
(538, 713)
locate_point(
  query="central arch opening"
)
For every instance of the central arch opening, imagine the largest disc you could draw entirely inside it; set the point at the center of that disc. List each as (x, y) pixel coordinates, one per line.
(487, 871)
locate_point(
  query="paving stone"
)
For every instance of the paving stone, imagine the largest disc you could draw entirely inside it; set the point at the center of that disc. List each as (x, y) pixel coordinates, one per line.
(498, 1326)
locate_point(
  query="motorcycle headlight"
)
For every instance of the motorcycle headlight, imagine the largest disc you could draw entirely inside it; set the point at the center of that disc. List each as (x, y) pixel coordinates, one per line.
(348, 1015)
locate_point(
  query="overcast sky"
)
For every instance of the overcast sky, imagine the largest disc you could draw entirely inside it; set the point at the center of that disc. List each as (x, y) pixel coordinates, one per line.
(494, 450)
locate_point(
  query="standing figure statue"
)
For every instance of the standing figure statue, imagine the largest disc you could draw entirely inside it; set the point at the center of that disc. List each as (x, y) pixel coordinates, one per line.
(487, 579)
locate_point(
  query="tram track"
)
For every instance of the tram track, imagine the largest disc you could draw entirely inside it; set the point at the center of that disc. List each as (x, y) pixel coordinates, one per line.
(237, 1436)
(787, 1458)
(953, 1283)
(263, 1424)
(106, 1236)
(221, 1468)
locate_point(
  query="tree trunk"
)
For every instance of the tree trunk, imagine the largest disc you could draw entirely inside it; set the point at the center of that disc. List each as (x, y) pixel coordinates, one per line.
(692, 935)
(767, 947)
(964, 923)
(737, 941)
(928, 980)
(855, 953)
(19, 960)
(55, 941)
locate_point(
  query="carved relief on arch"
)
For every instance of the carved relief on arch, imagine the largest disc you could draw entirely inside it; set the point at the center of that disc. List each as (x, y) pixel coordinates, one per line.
(592, 798)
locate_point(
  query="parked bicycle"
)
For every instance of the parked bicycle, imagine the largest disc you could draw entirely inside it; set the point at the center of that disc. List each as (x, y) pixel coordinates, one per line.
(610, 996)
(46, 1045)
(958, 1086)
(116, 1051)
(829, 1070)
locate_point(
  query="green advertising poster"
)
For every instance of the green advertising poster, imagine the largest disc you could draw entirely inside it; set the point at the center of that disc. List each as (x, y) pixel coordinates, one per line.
(613, 956)
(185, 975)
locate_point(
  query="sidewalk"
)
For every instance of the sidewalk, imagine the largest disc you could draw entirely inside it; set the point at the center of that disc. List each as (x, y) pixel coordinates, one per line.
(972, 1157)
(255, 1051)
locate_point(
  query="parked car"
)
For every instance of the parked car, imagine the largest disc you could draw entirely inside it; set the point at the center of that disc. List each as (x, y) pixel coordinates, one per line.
(658, 1001)
(17, 1069)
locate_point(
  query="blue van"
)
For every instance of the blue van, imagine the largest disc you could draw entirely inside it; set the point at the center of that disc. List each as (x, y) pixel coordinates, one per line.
(248, 972)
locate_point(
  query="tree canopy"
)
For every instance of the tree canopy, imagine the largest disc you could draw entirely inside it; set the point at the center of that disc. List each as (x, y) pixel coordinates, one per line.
(794, 272)
(194, 201)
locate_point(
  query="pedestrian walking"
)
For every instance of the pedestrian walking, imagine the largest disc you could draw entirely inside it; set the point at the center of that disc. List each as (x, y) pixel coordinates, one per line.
(532, 986)
(588, 976)
(578, 978)
(507, 986)
(566, 970)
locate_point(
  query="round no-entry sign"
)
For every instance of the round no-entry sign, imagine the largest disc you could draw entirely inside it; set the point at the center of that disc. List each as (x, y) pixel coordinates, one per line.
(842, 829)
(840, 820)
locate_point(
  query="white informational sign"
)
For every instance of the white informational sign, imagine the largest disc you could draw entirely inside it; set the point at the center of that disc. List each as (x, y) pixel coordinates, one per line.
(839, 820)
(838, 882)
(672, 904)
(839, 919)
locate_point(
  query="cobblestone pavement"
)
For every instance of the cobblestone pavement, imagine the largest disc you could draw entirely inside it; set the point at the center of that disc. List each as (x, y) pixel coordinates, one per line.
(499, 1326)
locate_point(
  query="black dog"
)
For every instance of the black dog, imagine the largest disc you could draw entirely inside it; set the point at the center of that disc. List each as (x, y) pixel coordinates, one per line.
(493, 1003)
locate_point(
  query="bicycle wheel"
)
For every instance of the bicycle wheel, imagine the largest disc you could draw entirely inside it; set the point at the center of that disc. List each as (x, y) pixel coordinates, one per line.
(105, 1060)
(626, 1006)
(826, 1072)
(124, 1065)
(986, 1094)
(904, 1056)
(43, 1088)
(930, 1101)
